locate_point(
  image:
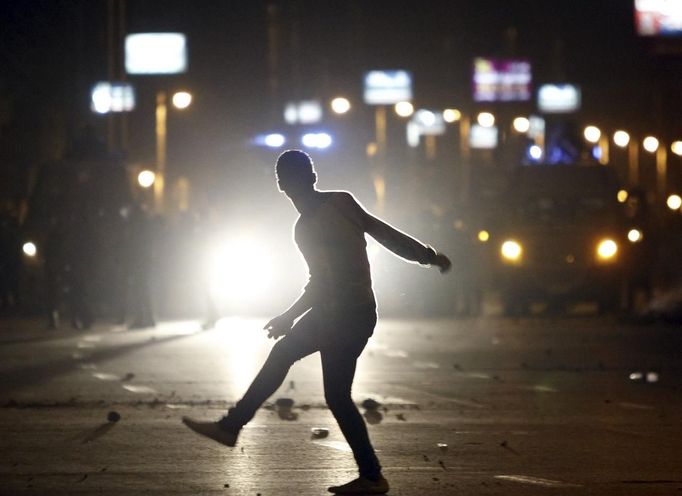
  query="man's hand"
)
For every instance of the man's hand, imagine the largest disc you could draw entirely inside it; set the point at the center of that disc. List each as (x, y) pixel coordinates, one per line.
(442, 262)
(278, 326)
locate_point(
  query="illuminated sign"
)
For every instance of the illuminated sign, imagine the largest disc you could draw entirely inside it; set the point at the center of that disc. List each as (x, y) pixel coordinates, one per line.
(108, 97)
(501, 80)
(658, 17)
(305, 112)
(558, 98)
(156, 53)
(387, 87)
(483, 138)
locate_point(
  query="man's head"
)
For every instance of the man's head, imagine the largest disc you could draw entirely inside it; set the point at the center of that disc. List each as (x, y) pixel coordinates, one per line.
(295, 172)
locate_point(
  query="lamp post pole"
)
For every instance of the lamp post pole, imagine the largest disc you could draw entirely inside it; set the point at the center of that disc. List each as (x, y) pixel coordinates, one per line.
(161, 116)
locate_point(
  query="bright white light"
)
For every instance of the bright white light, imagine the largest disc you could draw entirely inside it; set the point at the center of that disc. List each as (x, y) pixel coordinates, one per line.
(239, 269)
(182, 100)
(146, 178)
(634, 235)
(317, 140)
(535, 152)
(101, 98)
(650, 144)
(155, 53)
(404, 109)
(521, 124)
(486, 119)
(30, 249)
(676, 148)
(592, 134)
(309, 112)
(425, 118)
(451, 115)
(674, 202)
(621, 138)
(607, 249)
(274, 140)
(511, 250)
(340, 105)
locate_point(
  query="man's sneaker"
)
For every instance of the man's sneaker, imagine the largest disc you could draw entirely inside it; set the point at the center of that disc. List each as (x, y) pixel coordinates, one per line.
(362, 485)
(212, 430)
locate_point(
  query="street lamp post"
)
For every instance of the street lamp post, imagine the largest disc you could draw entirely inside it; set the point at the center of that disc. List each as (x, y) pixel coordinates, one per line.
(180, 100)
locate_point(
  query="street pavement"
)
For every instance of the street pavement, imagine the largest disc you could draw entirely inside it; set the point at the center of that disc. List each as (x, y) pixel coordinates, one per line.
(541, 406)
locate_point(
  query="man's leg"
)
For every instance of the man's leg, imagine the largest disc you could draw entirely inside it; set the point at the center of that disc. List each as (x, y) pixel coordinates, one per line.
(338, 366)
(286, 351)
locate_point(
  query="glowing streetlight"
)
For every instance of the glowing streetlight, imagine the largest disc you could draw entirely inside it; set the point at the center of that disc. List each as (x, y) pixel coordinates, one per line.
(676, 148)
(146, 178)
(650, 144)
(30, 249)
(404, 109)
(485, 119)
(621, 138)
(674, 202)
(521, 125)
(182, 99)
(340, 105)
(451, 115)
(592, 134)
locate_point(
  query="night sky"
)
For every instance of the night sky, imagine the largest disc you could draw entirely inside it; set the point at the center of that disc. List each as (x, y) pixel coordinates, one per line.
(51, 52)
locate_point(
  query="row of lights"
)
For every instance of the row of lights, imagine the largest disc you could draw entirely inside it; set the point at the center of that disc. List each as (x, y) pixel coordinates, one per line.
(621, 138)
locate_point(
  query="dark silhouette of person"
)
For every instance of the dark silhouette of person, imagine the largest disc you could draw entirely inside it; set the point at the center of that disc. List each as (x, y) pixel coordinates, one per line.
(337, 311)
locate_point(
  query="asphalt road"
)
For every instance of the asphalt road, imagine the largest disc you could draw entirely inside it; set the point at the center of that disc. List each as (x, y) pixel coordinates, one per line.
(519, 407)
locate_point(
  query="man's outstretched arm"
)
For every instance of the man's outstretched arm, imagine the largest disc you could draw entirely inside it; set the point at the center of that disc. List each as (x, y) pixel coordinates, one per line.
(403, 245)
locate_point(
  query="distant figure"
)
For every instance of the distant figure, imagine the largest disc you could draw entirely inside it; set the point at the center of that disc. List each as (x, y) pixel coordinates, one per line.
(338, 311)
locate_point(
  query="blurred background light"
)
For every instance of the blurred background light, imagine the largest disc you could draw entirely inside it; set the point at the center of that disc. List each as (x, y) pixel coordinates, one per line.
(30, 249)
(634, 235)
(674, 202)
(622, 196)
(274, 140)
(592, 134)
(451, 115)
(650, 144)
(535, 152)
(621, 138)
(340, 105)
(607, 249)
(676, 148)
(521, 124)
(485, 119)
(511, 250)
(483, 236)
(182, 99)
(404, 109)
(317, 140)
(146, 178)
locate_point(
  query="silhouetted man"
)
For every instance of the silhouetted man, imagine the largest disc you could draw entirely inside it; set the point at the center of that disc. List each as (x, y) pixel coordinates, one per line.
(338, 311)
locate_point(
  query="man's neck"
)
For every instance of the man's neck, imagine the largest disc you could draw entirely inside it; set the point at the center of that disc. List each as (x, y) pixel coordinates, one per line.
(308, 202)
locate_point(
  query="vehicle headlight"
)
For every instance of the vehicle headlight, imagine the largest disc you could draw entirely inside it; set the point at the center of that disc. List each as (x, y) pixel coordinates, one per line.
(511, 251)
(607, 249)
(634, 235)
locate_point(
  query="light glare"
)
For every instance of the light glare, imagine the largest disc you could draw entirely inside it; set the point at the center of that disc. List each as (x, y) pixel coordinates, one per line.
(674, 202)
(486, 119)
(592, 134)
(317, 140)
(483, 236)
(404, 109)
(622, 196)
(182, 100)
(634, 235)
(676, 148)
(274, 140)
(511, 250)
(621, 138)
(650, 144)
(535, 152)
(451, 115)
(146, 178)
(340, 105)
(607, 249)
(521, 124)
(30, 249)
